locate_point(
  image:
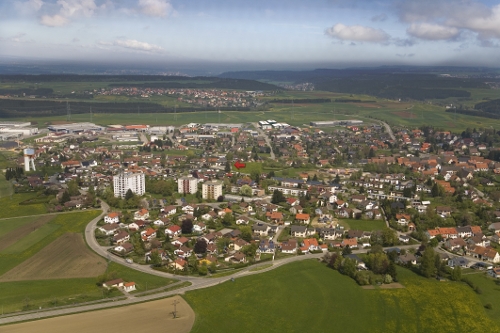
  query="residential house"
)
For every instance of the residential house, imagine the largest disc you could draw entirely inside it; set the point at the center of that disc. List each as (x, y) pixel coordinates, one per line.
(303, 218)
(309, 245)
(458, 262)
(260, 229)
(121, 237)
(266, 246)
(173, 231)
(109, 229)
(142, 214)
(117, 283)
(289, 247)
(298, 231)
(239, 244)
(113, 217)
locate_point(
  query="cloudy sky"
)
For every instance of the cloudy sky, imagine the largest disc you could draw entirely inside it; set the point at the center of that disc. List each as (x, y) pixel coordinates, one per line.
(263, 33)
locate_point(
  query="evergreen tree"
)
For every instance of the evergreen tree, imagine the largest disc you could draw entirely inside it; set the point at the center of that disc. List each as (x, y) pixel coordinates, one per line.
(427, 265)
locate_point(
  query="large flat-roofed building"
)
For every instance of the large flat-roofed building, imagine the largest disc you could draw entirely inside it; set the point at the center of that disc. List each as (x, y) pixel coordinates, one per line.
(336, 123)
(128, 180)
(187, 184)
(211, 190)
(75, 127)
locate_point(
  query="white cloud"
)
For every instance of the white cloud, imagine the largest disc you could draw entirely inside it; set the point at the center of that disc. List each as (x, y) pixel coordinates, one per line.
(28, 7)
(357, 33)
(159, 8)
(486, 25)
(431, 31)
(53, 21)
(446, 19)
(71, 8)
(136, 45)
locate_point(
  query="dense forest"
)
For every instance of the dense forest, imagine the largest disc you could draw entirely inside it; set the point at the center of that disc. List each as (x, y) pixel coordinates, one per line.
(151, 81)
(385, 82)
(24, 108)
(492, 106)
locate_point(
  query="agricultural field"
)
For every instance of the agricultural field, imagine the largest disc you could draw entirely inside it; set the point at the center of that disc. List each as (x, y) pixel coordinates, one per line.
(47, 263)
(38, 233)
(124, 319)
(66, 257)
(365, 225)
(308, 296)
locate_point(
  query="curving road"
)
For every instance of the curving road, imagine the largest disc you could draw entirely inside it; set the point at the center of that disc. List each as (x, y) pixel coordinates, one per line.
(196, 282)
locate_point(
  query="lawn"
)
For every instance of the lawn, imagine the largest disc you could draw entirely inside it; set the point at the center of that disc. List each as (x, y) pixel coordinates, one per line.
(365, 225)
(143, 281)
(307, 296)
(11, 208)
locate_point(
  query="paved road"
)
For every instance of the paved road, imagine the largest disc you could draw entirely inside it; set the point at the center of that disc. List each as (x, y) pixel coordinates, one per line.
(268, 141)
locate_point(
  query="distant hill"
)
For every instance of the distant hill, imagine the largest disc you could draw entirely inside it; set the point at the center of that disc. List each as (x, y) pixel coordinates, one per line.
(418, 83)
(154, 81)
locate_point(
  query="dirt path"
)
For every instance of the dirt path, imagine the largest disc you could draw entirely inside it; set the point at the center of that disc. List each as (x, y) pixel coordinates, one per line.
(15, 235)
(155, 316)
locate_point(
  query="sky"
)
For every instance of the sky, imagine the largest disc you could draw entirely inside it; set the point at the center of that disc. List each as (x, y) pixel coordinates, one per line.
(258, 34)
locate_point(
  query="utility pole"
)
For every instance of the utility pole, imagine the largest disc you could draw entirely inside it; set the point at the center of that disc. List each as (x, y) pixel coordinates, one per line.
(68, 112)
(91, 114)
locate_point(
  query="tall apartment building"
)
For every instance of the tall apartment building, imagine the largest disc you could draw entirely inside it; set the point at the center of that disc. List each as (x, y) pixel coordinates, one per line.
(128, 180)
(187, 184)
(211, 189)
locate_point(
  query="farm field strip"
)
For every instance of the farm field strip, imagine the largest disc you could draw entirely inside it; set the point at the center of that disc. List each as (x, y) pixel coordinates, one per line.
(8, 225)
(25, 234)
(31, 239)
(61, 223)
(66, 257)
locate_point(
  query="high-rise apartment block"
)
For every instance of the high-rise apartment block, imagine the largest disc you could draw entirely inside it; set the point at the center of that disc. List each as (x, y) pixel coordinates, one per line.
(187, 185)
(211, 190)
(128, 180)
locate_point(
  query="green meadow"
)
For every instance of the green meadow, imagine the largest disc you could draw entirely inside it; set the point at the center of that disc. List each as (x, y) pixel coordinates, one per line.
(307, 296)
(365, 225)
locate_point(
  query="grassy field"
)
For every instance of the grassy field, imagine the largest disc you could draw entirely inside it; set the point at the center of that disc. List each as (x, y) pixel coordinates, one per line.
(19, 295)
(365, 225)
(143, 281)
(309, 297)
(11, 208)
(490, 293)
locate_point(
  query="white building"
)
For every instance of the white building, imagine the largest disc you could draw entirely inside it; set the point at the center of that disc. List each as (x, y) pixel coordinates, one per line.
(125, 181)
(187, 184)
(211, 190)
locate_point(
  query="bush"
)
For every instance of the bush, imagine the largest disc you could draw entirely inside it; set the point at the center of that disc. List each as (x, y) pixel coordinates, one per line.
(488, 306)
